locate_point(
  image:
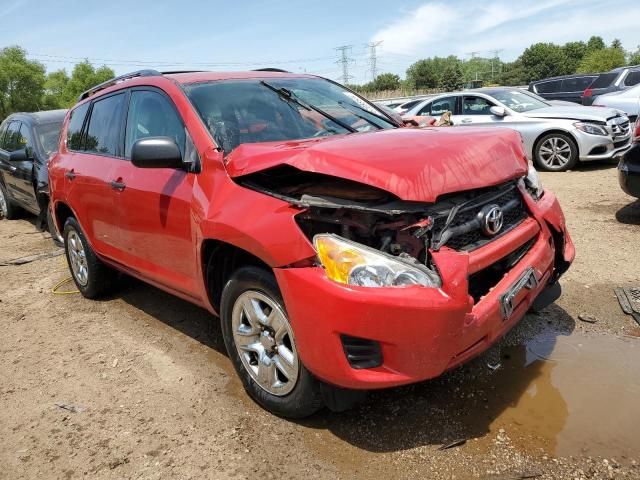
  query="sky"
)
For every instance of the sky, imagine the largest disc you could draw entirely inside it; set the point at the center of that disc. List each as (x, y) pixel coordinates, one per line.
(300, 36)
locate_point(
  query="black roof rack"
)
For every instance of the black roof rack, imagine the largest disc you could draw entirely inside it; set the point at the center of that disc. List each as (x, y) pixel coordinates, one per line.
(270, 69)
(175, 72)
(113, 81)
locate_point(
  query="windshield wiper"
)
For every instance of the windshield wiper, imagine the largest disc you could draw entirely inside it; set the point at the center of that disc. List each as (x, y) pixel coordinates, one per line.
(289, 96)
(379, 127)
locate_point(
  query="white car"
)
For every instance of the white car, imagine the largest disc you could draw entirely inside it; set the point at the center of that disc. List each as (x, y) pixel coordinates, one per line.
(556, 137)
(627, 101)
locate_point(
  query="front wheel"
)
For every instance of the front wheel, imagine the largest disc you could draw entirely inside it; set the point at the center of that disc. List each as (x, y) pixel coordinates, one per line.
(556, 152)
(262, 347)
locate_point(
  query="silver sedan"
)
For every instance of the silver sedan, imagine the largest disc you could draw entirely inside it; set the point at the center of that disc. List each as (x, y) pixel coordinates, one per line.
(556, 137)
(626, 100)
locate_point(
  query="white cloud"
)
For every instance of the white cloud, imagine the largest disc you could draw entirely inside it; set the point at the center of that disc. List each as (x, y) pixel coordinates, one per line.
(459, 27)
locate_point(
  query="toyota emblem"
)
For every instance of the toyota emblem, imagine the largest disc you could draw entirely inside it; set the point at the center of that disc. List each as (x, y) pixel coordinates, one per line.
(491, 218)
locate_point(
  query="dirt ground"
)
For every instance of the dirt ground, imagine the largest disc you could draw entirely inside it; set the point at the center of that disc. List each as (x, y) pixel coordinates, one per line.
(139, 386)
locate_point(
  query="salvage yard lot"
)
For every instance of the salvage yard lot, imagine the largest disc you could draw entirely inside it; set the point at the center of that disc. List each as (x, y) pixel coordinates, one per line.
(138, 385)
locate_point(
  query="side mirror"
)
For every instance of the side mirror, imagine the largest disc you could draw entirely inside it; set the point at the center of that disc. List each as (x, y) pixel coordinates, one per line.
(498, 111)
(19, 155)
(156, 152)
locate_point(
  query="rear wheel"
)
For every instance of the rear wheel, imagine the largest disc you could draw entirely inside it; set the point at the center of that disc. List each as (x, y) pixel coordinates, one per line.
(7, 209)
(556, 152)
(92, 277)
(261, 345)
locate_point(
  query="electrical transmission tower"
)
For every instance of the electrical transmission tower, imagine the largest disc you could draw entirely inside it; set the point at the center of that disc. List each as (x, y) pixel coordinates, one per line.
(373, 58)
(345, 60)
(496, 56)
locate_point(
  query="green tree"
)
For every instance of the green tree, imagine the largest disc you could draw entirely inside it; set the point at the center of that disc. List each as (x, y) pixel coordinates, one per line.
(575, 52)
(83, 77)
(21, 82)
(602, 60)
(426, 73)
(595, 43)
(543, 60)
(634, 57)
(513, 74)
(54, 88)
(386, 81)
(452, 78)
(617, 44)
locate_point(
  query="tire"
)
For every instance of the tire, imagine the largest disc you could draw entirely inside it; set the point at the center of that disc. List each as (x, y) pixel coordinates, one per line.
(94, 279)
(51, 226)
(7, 209)
(267, 335)
(556, 152)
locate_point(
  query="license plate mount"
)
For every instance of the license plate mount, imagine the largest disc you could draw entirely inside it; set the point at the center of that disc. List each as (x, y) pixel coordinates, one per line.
(517, 292)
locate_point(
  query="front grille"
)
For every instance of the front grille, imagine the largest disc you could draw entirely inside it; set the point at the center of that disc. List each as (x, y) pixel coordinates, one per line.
(480, 283)
(621, 143)
(464, 232)
(361, 352)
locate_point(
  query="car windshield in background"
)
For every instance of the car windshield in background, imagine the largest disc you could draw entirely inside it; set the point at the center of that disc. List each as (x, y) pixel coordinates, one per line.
(267, 110)
(519, 100)
(48, 136)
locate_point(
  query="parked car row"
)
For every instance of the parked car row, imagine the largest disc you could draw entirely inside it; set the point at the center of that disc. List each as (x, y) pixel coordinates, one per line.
(338, 246)
(585, 88)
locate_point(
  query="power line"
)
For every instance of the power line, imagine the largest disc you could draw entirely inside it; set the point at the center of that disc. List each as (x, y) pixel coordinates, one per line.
(345, 60)
(373, 58)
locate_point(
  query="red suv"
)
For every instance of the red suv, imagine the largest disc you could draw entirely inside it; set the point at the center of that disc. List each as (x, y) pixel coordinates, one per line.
(342, 251)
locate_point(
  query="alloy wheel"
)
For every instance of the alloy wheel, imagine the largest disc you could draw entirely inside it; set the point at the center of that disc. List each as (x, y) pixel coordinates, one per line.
(265, 344)
(3, 205)
(555, 153)
(77, 258)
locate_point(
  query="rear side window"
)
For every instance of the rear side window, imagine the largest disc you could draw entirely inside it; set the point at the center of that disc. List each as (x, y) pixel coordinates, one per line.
(105, 122)
(476, 106)
(438, 107)
(633, 78)
(74, 130)
(576, 84)
(604, 80)
(152, 115)
(548, 87)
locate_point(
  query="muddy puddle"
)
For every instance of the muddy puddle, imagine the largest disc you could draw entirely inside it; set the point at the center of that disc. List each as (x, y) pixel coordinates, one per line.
(582, 395)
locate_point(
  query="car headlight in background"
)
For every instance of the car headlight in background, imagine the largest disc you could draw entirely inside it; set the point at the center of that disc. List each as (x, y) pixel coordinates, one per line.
(351, 263)
(533, 184)
(591, 128)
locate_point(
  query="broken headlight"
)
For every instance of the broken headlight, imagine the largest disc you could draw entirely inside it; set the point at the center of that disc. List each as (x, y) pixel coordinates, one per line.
(351, 263)
(590, 128)
(532, 183)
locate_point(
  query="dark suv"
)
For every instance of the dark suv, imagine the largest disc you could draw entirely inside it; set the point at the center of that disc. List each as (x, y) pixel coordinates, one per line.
(27, 140)
(569, 88)
(616, 79)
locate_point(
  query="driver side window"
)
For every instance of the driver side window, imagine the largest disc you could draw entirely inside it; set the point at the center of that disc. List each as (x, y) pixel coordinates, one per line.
(152, 115)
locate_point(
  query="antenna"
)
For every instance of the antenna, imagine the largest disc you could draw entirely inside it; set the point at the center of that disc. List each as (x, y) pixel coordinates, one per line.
(345, 60)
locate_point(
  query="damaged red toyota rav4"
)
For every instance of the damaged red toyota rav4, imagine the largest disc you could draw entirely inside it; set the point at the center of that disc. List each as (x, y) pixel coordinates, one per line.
(342, 251)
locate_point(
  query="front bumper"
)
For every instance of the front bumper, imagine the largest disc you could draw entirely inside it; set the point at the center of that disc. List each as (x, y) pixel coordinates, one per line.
(600, 147)
(422, 332)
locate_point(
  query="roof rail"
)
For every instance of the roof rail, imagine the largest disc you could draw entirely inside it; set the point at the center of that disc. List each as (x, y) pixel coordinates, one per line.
(175, 72)
(113, 81)
(270, 69)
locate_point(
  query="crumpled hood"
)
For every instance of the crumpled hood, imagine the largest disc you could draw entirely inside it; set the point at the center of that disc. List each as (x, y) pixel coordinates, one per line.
(415, 165)
(595, 114)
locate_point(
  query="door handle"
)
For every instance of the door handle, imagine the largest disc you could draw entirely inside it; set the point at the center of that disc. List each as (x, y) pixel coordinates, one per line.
(117, 185)
(466, 120)
(70, 174)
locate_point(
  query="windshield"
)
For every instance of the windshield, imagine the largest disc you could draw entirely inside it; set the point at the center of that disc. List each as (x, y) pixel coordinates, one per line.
(519, 100)
(48, 136)
(257, 110)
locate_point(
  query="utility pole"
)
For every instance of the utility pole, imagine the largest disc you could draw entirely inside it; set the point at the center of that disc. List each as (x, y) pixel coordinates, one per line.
(344, 60)
(373, 58)
(473, 54)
